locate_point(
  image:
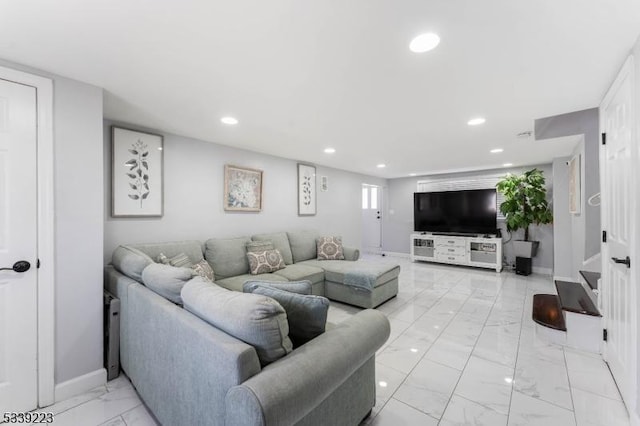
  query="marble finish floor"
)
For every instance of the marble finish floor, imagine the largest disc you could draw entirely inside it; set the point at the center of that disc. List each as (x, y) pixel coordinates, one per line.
(462, 351)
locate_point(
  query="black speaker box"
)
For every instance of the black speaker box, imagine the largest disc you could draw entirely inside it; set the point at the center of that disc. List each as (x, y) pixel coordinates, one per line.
(523, 265)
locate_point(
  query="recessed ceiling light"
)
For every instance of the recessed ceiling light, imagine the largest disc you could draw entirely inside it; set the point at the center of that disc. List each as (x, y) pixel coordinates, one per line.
(496, 150)
(476, 121)
(508, 379)
(381, 166)
(232, 121)
(329, 150)
(413, 174)
(382, 384)
(424, 42)
(507, 165)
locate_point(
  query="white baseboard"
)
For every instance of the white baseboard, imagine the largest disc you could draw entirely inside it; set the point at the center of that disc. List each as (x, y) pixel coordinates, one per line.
(79, 385)
(541, 271)
(396, 254)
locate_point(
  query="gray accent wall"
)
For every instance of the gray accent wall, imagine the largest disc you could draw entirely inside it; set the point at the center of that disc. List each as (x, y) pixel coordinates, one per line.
(78, 200)
(563, 254)
(586, 224)
(398, 220)
(193, 188)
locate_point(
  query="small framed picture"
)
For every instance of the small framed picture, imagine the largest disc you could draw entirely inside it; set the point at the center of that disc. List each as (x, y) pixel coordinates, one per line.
(136, 173)
(242, 189)
(306, 190)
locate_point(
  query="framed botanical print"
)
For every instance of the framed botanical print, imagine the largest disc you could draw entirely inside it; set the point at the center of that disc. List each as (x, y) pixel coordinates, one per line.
(306, 190)
(136, 173)
(242, 189)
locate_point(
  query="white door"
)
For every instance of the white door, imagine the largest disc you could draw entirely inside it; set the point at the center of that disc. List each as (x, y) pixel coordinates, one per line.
(618, 161)
(371, 218)
(18, 238)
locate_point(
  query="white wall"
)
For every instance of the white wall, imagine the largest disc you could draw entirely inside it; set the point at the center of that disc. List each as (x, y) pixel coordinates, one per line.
(399, 225)
(79, 202)
(193, 179)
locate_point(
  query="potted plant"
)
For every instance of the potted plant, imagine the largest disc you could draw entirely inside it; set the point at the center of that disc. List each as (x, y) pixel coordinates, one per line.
(525, 203)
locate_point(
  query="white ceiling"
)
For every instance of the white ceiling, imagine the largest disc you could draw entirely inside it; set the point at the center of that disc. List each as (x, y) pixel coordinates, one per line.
(304, 75)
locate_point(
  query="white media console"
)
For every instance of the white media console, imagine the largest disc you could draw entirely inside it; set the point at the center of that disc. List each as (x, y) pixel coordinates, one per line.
(473, 250)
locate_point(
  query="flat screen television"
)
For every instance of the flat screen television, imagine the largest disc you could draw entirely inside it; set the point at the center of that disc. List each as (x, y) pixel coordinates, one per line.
(469, 211)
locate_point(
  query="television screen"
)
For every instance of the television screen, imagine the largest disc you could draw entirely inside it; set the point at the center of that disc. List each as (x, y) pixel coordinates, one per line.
(470, 211)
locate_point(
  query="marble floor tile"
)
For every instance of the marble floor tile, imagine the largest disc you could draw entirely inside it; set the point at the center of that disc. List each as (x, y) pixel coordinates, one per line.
(116, 421)
(100, 409)
(409, 312)
(428, 387)
(395, 413)
(539, 375)
(591, 374)
(496, 345)
(462, 412)
(527, 411)
(139, 416)
(388, 380)
(450, 351)
(456, 335)
(596, 410)
(486, 383)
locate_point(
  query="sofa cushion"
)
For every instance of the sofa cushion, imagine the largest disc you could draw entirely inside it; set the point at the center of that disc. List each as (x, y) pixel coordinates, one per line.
(203, 269)
(227, 256)
(258, 246)
(236, 283)
(303, 245)
(262, 262)
(180, 260)
(257, 320)
(192, 248)
(130, 261)
(297, 272)
(300, 287)
(280, 241)
(166, 280)
(330, 248)
(335, 270)
(306, 314)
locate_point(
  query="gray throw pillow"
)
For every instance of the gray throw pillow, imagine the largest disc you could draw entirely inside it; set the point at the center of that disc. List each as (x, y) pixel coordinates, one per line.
(166, 280)
(300, 287)
(330, 248)
(255, 319)
(306, 314)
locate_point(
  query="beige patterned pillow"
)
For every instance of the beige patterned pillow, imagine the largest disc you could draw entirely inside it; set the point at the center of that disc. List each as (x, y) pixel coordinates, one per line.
(330, 248)
(204, 270)
(265, 261)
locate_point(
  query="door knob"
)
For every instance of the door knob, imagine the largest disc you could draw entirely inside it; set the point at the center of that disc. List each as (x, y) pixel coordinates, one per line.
(377, 217)
(626, 261)
(19, 266)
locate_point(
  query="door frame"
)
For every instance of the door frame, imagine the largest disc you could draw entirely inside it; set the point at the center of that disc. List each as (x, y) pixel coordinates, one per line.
(46, 231)
(626, 70)
(380, 205)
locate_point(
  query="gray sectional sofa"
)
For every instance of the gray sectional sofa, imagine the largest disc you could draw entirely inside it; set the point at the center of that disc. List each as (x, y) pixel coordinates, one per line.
(189, 372)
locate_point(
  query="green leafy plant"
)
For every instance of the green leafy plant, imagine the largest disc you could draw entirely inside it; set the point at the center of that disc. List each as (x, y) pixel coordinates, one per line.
(525, 201)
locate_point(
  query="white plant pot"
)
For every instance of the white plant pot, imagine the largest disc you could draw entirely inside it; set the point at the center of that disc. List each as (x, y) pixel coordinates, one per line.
(526, 249)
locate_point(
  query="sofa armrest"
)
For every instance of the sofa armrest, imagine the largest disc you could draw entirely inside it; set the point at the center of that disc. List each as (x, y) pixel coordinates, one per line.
(351, 253)
(290, 388)
(181, 366)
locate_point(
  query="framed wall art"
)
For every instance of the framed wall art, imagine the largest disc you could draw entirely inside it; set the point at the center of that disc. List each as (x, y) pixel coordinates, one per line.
(574, 185)
(306, 190)
(242, 189)
(136, 173)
